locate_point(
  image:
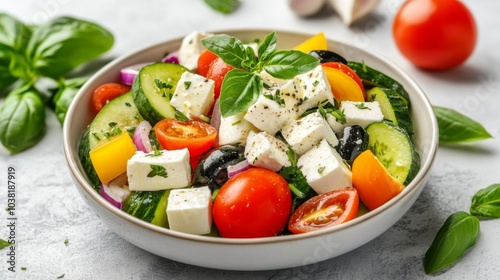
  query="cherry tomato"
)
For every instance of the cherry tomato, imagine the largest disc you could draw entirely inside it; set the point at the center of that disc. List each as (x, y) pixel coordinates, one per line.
(435, 34)
(103, 94)
(255, 203)
(325, 210)
(204, 60)
(196, 136)
(217, 71)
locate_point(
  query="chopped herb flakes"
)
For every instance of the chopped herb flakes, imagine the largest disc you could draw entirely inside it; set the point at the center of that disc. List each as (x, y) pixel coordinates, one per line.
(112, 124)
(157, 170)
(23, 268)
(276, 97)
(154, 154)
(321, 169)
(60, 276)
(362, 106)
(128, 104)
(316, 83)
(66, 241)
(187, 84)
(162, 85)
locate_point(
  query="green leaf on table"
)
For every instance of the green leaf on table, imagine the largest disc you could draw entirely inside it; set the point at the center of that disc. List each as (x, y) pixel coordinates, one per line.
(240, 89)
(486, 202)
(4, 244)
(67, 90)
(458, 233)
(64, 43)
(223, 6)
(286, 64)
(455, 127)
(22, 119)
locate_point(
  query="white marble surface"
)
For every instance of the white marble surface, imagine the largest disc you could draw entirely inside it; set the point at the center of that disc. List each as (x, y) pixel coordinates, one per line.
(49, 209)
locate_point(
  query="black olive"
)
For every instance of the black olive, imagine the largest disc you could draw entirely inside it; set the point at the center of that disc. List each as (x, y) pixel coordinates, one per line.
(352, 142)
(212, 169)
(328, 56)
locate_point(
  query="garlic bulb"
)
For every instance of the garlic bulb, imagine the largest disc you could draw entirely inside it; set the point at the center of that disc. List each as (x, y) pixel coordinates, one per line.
(353, 10)
(306, 8)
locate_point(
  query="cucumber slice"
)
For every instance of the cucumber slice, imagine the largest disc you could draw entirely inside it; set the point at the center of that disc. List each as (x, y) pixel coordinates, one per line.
(121, 113)
(152, 89)
(150, 206)
(395, 150)
(393, 107)
(374, 78)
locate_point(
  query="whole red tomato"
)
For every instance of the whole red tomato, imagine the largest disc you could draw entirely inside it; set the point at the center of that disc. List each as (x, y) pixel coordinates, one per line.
(254, 203)
(435, 34)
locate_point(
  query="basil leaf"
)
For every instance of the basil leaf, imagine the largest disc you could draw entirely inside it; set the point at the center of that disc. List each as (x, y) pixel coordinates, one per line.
(455, 127)
(6, 77)
(62, 44)
(240, 89)
(486, 202)
(223, 6)
(286, 64)
(66, 92)
(267, 46)
(4, 244)
(458, 233)
(228, 48)
(22, 119)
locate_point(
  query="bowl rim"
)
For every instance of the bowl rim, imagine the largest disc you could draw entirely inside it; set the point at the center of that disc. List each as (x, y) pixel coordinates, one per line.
(71, 154)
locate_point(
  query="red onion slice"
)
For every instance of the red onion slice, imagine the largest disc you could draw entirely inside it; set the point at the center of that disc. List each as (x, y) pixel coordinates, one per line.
(116, 191)
(127, 74)
(233, 170)
(172, 57)
(141, 137)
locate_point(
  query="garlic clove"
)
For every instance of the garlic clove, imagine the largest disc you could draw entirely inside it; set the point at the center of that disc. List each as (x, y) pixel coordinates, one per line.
(353, 10)
(306, 8)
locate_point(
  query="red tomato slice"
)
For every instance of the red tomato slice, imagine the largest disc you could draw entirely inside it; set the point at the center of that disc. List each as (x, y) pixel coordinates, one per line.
(255, 203)
(196, 136)
(325, 210)
(217, 71)
(103, 94)
(346, 69)
(204, 60)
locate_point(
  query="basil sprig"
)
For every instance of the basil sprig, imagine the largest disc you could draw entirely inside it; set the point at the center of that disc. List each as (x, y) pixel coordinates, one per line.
(456, 128)
(223, 6)
(243, 85)
(486, 202)
(30, 53)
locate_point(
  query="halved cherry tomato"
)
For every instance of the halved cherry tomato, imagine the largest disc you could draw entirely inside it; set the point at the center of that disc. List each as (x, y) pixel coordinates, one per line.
(346, 69)
(196, 136)
(325, 210)
(217, 71)
(372, 180)
(103, 94)
(255, 203)
(204, 60)
(344, 87)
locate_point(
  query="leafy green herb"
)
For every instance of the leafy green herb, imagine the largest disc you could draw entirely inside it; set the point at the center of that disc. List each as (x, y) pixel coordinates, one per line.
(157, 170)
(115, 131)
(455, 127)
(67, 90)
(187, 84)
(23, 268)
(4, 244)
(316, 83)
(96, 136)
(486, 202)
(296, 180)
(128, 104)
(361, 106)
(180, 116)
(276, 97)
(321, 169)
(243, 85)
(458, 233)
(155, 153)
(60, 276)
(223, 6)
(162, 85)
(112, 124)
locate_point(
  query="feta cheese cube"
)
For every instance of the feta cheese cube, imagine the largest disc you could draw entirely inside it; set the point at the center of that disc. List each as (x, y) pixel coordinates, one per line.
(151, 172)
(191, 48)
(362, 113)
(266, 151)
(270, 80)
(334, 124)
(234, 129)
(190, 210)
(305, 133)
(324, 169)
(193, 95)
(314, 88)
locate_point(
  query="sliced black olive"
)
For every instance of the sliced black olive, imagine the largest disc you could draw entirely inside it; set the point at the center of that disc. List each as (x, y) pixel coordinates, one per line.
(352, 142)
(212, 169)
(328, 56)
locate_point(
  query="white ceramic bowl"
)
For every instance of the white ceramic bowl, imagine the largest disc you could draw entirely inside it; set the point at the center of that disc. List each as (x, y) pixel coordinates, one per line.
(259, 253)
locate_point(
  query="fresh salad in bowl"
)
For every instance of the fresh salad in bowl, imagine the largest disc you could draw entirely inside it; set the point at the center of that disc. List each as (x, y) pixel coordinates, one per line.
(243, 140)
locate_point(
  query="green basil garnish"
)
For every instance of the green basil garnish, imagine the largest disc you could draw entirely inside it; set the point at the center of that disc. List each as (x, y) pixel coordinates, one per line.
(486, 202)
(223, 6)
(456, 128)
(458, 233)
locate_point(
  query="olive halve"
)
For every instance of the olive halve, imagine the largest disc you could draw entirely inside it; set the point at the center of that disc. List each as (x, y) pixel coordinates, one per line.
(328, 56)
(352, 142)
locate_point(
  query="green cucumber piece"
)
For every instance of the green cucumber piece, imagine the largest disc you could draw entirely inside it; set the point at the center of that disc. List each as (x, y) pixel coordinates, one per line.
(152, 89)
(393, 107)
(395, 150)
(150, 206)
(120, 112)
(374, 78)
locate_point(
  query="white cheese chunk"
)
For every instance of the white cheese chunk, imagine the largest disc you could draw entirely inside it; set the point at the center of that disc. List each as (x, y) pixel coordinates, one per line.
(266, 151)
(361, 113)
(234, 129)
(270, 80)
(150, 172)
(305, 133)
(324, 169)
(193, 95)
(335, 124)
(190, 210)
(191, 48)
(313, 87)
(272, 110)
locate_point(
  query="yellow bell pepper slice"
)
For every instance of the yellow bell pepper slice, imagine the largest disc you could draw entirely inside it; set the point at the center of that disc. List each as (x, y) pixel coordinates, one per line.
(316, 42)
(344, 88)
(110, 159)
